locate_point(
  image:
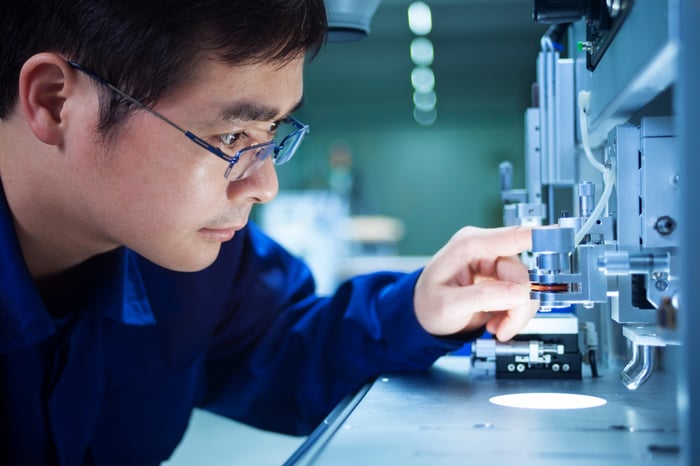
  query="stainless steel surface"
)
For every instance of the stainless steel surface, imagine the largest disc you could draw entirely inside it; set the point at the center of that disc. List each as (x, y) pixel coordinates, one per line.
(659, 184)
(688, 109)
(557, 149)
(444, 417)
(623, 142)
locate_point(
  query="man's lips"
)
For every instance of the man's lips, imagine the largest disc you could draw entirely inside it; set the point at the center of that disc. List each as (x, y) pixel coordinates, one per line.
(219, 234)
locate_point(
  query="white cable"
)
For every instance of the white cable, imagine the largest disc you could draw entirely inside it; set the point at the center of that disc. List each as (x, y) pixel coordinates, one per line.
(584, 98)
(546, 43)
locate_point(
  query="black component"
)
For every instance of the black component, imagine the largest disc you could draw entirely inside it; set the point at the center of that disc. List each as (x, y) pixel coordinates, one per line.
(639, 292)
(622, 428)
(602, 26)
(603, 20)
(667, 449)
(593, 362)
(562, 366)
(559, 11)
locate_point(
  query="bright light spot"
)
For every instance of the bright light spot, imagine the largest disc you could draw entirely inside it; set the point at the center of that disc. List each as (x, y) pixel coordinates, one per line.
(424, 100)
(422, 51)
(419, 18)
(548, 401)
(425, 117)
(423, 79)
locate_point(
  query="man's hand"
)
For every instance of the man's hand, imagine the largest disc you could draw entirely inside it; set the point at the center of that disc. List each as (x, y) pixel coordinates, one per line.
(477, 279)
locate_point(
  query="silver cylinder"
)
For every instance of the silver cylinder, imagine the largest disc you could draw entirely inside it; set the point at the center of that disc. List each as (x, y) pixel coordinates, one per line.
(586, 198)
(553, 240)
(505, 169)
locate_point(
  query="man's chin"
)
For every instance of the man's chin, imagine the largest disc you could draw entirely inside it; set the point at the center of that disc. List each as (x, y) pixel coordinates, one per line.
(194, 262)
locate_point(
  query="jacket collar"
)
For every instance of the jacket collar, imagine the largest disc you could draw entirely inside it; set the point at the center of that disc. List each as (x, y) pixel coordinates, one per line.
(24, 319)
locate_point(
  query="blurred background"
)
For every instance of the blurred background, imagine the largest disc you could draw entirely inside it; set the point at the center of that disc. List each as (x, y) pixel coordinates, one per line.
(389, 175)
(438, 171)
(408, 127)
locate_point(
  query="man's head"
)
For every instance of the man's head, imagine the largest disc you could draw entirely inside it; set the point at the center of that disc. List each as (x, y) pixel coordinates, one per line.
(147, 48)
(85, 170)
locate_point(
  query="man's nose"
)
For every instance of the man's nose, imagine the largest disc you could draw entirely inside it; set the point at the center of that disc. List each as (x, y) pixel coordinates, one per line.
(260, 187)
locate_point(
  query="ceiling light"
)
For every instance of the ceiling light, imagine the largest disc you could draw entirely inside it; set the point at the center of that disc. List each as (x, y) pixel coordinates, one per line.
(423, 79)
(425, 117)
(424, 100)
(422, 51)
(419, 18)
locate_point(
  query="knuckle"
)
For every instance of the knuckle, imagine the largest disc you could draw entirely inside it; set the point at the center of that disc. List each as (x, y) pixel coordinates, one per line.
(466, 236)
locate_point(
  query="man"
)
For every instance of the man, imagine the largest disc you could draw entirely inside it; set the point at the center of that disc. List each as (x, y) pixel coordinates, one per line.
(136, 137)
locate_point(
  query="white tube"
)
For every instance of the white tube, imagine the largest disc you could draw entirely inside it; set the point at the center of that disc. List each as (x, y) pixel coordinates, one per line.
(584, 98)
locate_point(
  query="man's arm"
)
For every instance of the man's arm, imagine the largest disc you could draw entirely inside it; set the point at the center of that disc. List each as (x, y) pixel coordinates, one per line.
(282, 357)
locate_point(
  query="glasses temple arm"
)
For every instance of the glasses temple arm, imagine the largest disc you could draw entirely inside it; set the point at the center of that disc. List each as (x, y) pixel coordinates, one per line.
(126, 96)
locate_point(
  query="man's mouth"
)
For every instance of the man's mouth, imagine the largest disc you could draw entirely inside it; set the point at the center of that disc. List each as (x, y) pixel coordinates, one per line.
(219, 234)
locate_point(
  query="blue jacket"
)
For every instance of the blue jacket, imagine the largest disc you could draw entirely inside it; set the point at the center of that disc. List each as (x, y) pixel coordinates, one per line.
(109, 375)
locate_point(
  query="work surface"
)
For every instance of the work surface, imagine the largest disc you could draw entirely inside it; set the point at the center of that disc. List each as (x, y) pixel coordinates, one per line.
(444, 417)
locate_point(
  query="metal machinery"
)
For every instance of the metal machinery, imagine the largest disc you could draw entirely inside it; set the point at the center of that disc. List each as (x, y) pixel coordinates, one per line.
(611, 142)
(607, 168)
(349, 21)
(610, 155)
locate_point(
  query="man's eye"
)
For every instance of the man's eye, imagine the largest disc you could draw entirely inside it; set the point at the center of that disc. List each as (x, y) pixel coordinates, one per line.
(230, 139)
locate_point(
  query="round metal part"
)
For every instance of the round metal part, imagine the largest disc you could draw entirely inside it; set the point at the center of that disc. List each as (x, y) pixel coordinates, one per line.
(553, 240)
(665, 225)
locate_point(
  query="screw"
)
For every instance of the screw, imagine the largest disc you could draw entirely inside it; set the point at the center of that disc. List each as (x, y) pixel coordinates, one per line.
(665, 225)
(661, 285)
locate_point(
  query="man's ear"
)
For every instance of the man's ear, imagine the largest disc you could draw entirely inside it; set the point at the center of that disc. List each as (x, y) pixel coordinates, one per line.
(45, 82)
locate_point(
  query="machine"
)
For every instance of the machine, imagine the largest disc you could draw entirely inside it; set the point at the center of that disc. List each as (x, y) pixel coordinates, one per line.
(349, 20)
(607, 155)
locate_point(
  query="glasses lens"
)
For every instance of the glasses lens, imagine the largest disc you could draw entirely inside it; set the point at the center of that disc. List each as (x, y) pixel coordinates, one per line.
(250, 159)
(289, 146)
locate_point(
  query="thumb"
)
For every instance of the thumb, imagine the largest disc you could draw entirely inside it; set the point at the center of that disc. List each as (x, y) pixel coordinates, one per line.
(494, 295)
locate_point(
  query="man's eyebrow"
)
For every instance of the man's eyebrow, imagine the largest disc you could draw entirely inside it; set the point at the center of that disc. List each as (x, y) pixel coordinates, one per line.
(248, 111)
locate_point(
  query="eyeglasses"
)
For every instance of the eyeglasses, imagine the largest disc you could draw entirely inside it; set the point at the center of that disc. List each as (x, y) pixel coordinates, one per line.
(246, 160)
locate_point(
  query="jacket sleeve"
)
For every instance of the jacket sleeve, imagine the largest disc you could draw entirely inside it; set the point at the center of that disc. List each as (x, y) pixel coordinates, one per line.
(283, 357)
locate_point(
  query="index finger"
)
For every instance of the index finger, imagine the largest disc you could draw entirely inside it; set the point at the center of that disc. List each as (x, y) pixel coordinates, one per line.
(503, 241)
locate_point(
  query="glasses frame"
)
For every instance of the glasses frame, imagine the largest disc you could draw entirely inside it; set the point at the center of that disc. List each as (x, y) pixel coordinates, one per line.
(266, 148)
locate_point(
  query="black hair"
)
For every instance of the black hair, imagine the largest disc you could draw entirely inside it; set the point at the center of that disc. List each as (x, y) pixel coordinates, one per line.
(149, 47)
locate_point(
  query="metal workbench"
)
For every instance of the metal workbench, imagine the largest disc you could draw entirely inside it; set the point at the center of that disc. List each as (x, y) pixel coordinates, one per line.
(444, 417)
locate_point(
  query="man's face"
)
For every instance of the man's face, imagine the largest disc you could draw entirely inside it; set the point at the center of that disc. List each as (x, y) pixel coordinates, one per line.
(165, 197)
